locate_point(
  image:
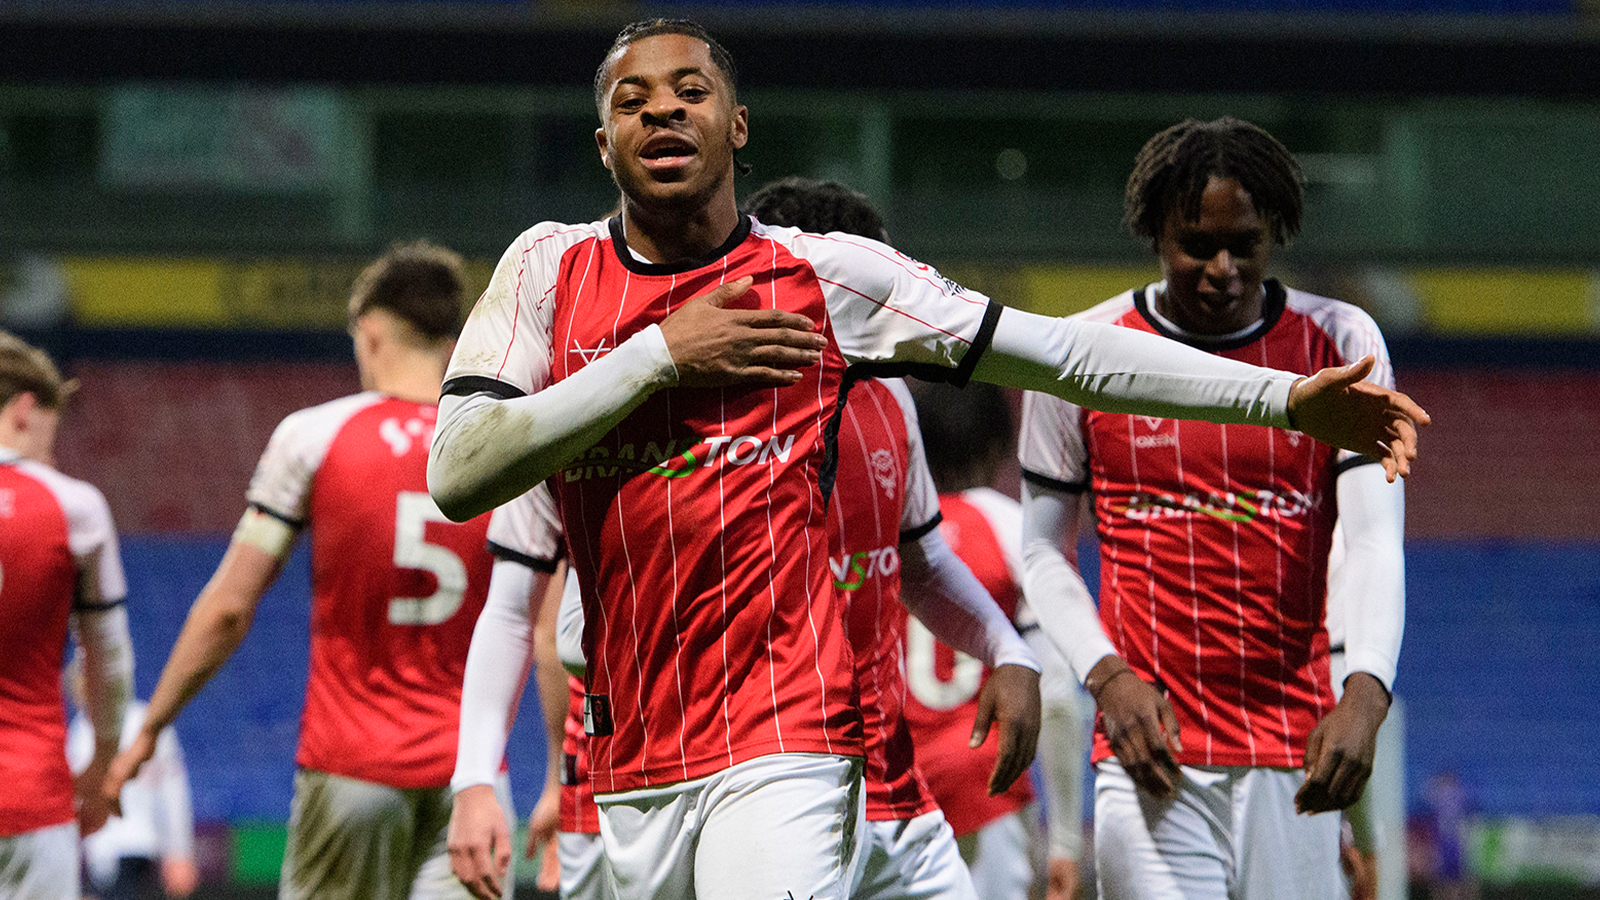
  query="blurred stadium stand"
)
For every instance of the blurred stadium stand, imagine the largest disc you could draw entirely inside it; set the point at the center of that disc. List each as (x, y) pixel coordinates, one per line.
(187, 188)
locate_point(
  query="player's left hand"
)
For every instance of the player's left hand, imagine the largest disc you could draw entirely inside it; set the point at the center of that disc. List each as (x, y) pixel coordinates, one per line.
(1010, 698)
(1340, 750)
(1337, 407)
(93, 809)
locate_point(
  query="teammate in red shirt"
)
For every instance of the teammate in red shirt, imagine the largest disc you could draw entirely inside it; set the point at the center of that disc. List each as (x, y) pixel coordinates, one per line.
(60, 570)
(969, 434)
(396, 589)
(676, 370)
(1211, 672)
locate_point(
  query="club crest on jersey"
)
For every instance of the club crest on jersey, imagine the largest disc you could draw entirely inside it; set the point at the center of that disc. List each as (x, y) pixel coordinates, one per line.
(1229, 507)
(852, 571)
(680, 459)
(883, 471)
(8, 504)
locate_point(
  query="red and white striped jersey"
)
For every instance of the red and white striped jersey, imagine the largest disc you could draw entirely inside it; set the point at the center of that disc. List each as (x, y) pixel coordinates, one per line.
(51, 526)
(984, 528)
(1214, 538)
(579, 814)
(882, 496)
(697, 525)
(395, 588)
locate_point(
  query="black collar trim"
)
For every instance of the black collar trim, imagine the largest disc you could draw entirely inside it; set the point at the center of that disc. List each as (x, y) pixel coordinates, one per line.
(1272, 306)
(640, 267)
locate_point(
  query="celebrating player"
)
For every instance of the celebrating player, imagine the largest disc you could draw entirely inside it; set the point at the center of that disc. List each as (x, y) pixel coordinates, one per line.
(1209, 657)
(60, 569)
(395, 592)
(676, 370)
(968, 434)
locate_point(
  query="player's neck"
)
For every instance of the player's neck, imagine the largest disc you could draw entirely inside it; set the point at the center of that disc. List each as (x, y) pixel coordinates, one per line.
(405, 374)
(671, 235)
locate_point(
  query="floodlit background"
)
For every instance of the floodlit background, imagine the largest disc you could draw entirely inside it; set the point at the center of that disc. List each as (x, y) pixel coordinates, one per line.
(187, 189)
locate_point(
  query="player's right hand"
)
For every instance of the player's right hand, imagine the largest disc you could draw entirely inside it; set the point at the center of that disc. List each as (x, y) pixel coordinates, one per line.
(1140, 725)
(126, 765)
(714, 346)
(479, 842)
(543, 823)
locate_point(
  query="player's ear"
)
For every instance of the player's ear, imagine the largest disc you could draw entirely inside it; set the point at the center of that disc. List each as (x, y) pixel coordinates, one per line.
(605, 148)
(741, 126)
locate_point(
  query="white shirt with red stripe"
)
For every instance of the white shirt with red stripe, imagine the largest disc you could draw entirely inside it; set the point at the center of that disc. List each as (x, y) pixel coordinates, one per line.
(1215, 538)
(48, 522)
(396, 587)
(697, 525)
(883, 495)
(984, 528)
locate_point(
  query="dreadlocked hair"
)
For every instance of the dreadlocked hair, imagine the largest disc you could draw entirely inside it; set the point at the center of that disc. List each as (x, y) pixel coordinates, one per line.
(816, 206)
(650, 28)
(1171, 171)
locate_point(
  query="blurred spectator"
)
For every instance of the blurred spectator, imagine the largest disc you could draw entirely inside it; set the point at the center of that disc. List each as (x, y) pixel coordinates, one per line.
(148, 852)
(1446, 805)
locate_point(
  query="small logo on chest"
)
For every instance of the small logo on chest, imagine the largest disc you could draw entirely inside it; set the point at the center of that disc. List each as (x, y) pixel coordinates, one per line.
(883, 471)
(589, 354)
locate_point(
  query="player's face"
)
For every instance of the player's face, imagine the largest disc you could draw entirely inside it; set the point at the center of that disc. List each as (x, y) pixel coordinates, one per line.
(671, 125)
(1214, 264)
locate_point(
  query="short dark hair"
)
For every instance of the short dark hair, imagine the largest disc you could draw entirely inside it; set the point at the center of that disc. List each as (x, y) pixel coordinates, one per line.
(650, 28)
(25, 369)
(816, 206)
(420, 282)
(961, 427)
(1171, 171)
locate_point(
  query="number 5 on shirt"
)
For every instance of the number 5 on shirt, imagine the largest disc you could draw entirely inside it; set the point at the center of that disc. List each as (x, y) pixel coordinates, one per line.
(413, 511)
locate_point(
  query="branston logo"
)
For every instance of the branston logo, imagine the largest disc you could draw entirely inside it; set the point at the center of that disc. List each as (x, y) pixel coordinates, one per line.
(1229, 507)
(851, 572)
(678, 459)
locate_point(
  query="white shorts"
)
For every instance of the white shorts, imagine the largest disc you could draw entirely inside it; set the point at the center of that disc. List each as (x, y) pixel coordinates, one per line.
(357, 840)
(1230, 834)
(1000, 856)
(765, 829)
(41, 864)
(584, 875)
(911, 859)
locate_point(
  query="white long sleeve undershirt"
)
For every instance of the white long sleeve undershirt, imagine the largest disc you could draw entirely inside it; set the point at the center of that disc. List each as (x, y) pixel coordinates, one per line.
(487, 450)
(941, 591)
(107, 668)
(1367, 581)
(1054, 588)
(498, 662)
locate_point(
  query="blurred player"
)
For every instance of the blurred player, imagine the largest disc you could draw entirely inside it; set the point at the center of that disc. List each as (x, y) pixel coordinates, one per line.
(1218, 719)
(148, 850)
(887, 553)
(968, 434)
(395, 592)
(60, 570)
(677, 370)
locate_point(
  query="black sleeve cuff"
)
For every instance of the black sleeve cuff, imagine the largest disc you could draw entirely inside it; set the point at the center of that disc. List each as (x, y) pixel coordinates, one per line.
(467, 385)
(917, 533)
(1055, 484)
(547, 566)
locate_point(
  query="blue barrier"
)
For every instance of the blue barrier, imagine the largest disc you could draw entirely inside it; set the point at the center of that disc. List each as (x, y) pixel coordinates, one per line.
(1501, 674)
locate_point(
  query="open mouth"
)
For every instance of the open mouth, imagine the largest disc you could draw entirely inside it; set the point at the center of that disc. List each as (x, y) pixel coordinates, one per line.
(666, 151)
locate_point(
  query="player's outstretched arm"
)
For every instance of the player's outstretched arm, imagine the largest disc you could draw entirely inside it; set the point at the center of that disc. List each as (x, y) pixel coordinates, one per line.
(217, 623)
(488, 449)
(1115, 369)
(100, 627)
